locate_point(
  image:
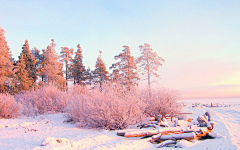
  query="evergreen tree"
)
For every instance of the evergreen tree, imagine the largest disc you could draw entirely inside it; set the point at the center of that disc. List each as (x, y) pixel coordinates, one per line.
(126, 68)
(77, 68)
(115, 75)
(149, 62)
(6, 66)
(30, 62)
(66, 55)
(39, 60)
(22, 80)
(100, 74)
(52, 69)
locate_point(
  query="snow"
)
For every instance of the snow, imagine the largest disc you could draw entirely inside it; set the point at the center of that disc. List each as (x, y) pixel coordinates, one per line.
(52, 132)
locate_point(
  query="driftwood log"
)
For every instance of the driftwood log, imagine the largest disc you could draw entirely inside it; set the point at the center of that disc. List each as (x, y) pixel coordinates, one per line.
(166, 135)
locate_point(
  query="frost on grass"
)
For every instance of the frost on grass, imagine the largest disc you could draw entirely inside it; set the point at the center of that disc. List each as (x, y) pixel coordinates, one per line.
(117, 107)
(44, 100)
(111, 108)
(9, 108)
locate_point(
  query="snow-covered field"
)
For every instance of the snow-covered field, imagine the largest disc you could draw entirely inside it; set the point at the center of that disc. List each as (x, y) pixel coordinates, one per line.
(52, 132)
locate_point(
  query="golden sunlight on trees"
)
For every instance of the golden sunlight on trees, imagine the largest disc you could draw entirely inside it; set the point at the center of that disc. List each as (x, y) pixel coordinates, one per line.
(52, 68)
(77, 68)
(66, 55)
(100, 74)
(148, 62)
(30, 64)
(126, 68)
(6, 66)
(34, 69)
(22, 79)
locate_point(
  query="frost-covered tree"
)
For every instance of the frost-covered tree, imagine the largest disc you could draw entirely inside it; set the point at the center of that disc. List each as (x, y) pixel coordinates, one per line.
(100, 74)
(78, 69)
(6, 66)
(149, 62)
(126, 68)
(52, 68)
(66, 55)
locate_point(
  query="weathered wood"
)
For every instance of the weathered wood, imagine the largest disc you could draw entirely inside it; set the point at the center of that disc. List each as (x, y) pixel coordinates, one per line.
(141, 133)
(169, 135)
(148, 125)
(158, 130)
(122, 132)
(187, 136)
(168, 142)
(186, 113)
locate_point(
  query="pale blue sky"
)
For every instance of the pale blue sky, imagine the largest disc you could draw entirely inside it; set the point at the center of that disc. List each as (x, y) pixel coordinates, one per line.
(200, 40)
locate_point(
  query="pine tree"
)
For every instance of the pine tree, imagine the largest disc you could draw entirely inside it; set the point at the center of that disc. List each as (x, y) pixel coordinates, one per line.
(88, 77)
(66, 55)
(22, 80)
(52, 69)
(30, 62)
(115, 75)
(39, 60)
(78, 69)
(149, 62)
(100, 74)
(126, 68)
(6, 66)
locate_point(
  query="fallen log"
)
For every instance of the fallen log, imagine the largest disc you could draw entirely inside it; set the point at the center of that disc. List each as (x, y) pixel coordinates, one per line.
(168, 142)
(158, 130)
(122, 132)
(171, 135)
(141, 133)
(187, 136)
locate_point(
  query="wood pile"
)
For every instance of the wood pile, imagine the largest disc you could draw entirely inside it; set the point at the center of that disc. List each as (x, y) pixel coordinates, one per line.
(161, 133)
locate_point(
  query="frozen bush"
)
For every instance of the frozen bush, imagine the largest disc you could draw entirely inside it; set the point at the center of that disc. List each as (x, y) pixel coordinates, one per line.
(161, 102)
(77, 89)
(48, 99)
(9, 108)
(111, 108)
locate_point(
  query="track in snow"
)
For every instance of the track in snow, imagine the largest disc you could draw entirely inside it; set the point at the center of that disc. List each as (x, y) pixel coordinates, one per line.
(231, 119)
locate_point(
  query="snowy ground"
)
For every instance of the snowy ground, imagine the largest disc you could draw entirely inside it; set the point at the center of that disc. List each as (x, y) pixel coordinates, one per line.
(29, 133)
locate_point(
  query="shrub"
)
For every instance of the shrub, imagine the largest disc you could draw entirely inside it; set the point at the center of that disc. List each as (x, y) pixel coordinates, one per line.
(161, 102)
(9, 108)
(48, 99)
(109, 109)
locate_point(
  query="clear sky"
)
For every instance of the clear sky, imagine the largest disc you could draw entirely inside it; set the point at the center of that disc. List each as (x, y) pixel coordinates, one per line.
(199, 39)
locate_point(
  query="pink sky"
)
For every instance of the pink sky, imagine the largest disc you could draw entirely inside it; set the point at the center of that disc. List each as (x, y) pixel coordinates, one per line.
(203, 78)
